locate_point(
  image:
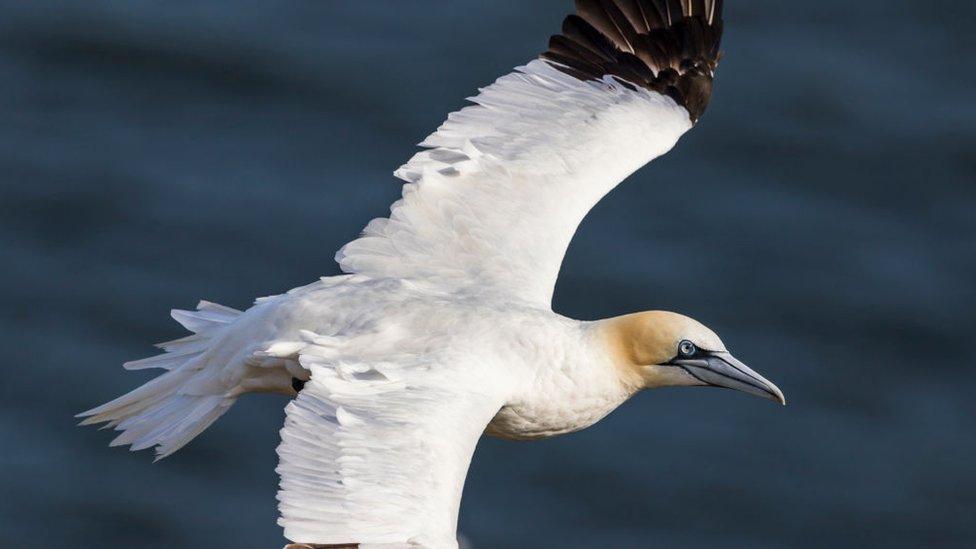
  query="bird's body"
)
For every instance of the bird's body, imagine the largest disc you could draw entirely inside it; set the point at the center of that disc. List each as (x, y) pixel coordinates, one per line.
(443, 330)
(554, 374)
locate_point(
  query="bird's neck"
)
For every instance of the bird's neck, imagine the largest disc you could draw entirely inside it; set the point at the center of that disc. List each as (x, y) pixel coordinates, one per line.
(614, 339)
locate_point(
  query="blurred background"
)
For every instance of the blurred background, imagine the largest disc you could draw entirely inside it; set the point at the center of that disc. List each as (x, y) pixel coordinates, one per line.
(821, 218)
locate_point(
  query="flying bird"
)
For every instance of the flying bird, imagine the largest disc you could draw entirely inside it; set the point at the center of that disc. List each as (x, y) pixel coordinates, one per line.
(442, 327)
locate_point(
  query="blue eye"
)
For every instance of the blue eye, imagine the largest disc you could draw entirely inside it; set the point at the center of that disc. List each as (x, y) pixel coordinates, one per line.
(687, 348)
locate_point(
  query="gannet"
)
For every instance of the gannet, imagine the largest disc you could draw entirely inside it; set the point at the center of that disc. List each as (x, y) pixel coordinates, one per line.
(442, 327)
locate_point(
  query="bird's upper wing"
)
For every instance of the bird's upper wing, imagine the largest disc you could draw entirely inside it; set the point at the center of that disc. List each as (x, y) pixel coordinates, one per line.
(373, 454)
(493, 202)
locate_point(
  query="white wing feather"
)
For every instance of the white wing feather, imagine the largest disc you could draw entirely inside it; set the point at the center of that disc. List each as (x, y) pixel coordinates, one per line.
(494, 202)
(377, 454)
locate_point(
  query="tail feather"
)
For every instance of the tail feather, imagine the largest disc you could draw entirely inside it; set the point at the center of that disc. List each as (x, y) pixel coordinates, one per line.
(208, 316)
(190, 340)
(166, 412)
(175, 356)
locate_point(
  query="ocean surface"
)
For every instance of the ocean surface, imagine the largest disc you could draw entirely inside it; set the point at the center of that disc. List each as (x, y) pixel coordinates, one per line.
(821, 217)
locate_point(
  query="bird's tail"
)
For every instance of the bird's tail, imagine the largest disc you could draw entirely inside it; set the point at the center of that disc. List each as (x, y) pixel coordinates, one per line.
(169, 410)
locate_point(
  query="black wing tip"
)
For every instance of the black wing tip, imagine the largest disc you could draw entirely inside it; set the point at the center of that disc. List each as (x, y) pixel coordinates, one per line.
(668, 46)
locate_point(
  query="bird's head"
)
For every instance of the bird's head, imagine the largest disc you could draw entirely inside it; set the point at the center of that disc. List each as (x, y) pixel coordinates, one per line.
(662, 349)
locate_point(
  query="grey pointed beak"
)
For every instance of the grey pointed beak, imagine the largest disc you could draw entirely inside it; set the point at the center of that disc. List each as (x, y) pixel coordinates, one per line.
(721, 369)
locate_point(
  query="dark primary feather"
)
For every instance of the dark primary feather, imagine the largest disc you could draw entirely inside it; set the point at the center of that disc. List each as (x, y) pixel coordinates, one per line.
(669, 46)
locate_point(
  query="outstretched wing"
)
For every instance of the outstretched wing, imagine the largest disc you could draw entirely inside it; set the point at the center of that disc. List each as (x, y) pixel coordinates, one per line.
(492, 204)
(372, 454)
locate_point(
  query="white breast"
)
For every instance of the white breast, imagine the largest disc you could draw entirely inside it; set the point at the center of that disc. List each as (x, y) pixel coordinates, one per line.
(570, 384)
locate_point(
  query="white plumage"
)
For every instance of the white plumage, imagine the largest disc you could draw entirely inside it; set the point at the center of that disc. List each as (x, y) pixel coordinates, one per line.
(493, 205)
(442, 329)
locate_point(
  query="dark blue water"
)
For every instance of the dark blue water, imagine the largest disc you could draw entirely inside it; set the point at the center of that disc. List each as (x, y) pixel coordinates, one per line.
(821, 218)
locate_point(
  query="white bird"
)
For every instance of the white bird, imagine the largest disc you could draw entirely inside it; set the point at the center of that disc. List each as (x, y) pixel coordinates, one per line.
(443, 328)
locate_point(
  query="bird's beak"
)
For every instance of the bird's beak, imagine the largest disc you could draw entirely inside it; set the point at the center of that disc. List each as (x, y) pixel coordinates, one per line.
(721, 369)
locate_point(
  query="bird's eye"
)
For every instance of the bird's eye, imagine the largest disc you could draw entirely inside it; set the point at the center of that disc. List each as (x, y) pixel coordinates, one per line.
(687, 348)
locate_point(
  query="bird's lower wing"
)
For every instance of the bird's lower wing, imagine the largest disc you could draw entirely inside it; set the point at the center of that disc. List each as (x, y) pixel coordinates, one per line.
(372, 454)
